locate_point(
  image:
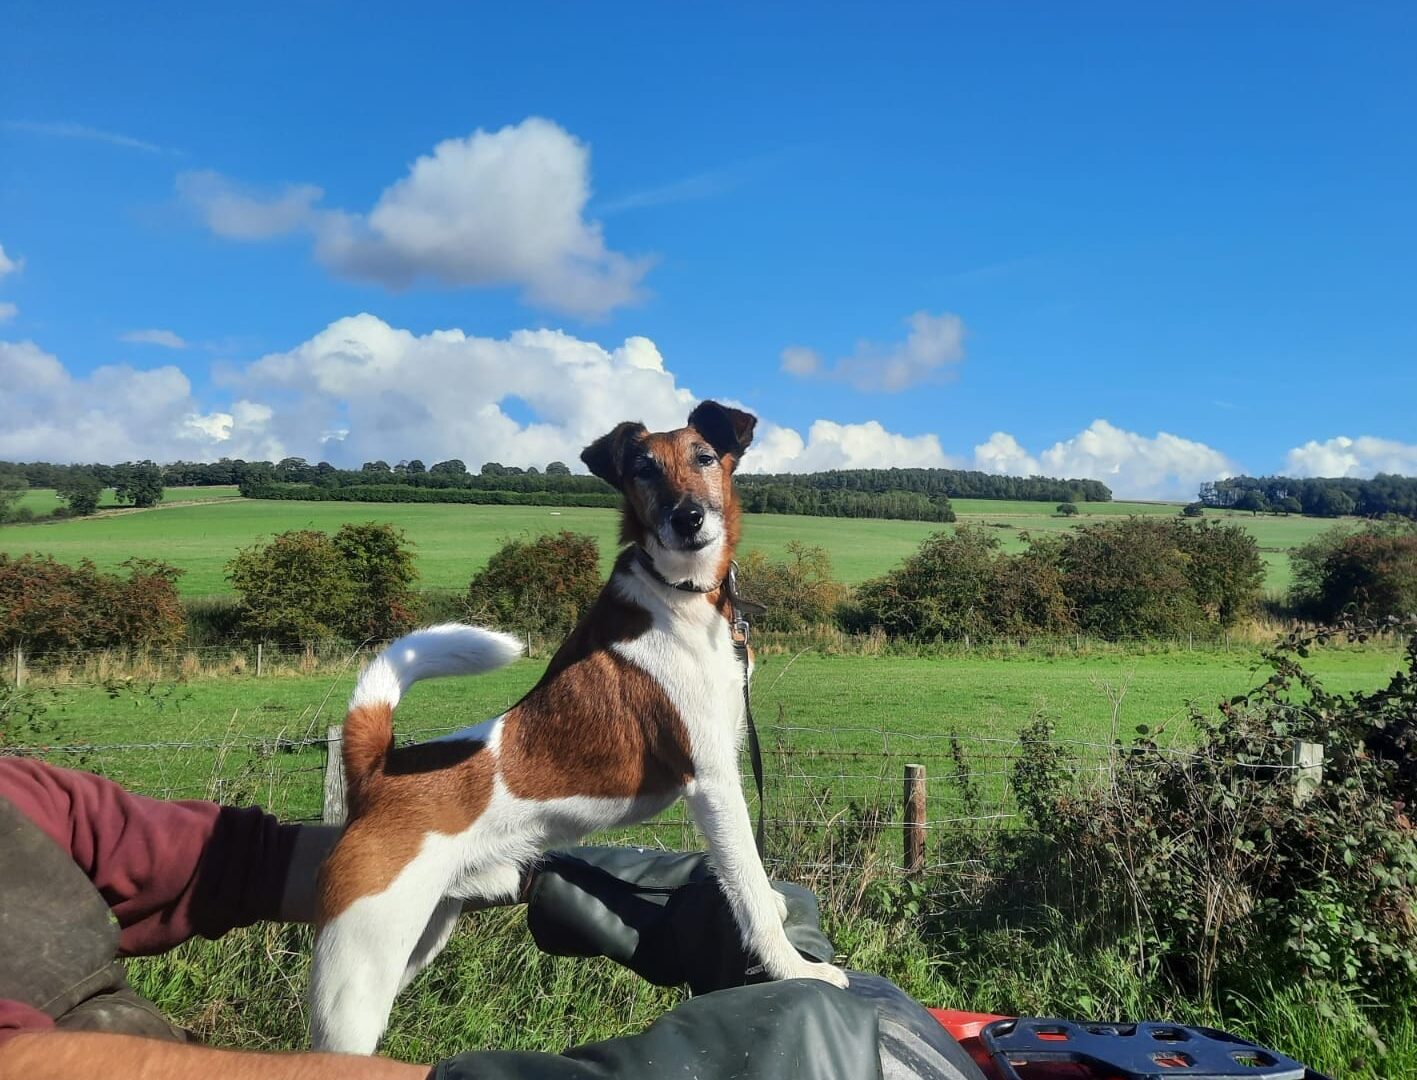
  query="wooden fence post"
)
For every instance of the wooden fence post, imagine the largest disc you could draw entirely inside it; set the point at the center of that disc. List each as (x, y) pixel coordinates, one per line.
(19, 668)
(259, 659)
(334, 777)
(914, 819)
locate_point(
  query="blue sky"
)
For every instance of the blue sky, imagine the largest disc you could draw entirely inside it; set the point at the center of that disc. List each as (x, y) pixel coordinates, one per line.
(1147, 244)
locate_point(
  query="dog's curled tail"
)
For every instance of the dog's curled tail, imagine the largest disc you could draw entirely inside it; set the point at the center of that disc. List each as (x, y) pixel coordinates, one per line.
(434, 651)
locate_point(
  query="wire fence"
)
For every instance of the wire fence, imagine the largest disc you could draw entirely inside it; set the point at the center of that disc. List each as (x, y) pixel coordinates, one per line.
(844, 804)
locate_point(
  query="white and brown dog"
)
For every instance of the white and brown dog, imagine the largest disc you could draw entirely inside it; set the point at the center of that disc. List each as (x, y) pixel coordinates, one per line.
(642, 704)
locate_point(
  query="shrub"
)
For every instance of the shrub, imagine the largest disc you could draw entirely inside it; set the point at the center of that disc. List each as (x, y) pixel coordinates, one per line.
(1208, 866)
(1223, 568)
(1068, 509)
(1128, 579)
(48, 606)
(537, 587)
(940, 592)
(306, 585)
(381, 570)
(1193, 510)
(295, 588)
(1367, 574)
(797, 592)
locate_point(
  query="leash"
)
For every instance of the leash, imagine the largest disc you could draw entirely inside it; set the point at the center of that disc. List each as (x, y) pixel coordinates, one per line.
(739, 631)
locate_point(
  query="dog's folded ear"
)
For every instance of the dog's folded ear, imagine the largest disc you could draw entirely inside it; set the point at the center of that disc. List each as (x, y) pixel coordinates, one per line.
(729, 431)
(608, 455)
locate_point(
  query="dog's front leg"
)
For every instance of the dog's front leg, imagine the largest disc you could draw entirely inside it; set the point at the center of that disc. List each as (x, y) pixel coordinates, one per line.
(721, 814)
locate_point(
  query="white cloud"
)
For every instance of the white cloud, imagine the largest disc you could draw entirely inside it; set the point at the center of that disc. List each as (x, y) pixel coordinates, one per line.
(935, 343)
(361, 389)
(1134, 466)
(237, 212)
(1002, 454)
(114, 413)
(494, 208)
(830, 445)
(1364, 456)
(9, 265)
(81, 131)
(7, 310)
(166, 338)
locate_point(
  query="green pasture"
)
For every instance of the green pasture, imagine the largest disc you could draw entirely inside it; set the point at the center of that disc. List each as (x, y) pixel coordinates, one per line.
(43, 500)
(453, 540)
(837, 726)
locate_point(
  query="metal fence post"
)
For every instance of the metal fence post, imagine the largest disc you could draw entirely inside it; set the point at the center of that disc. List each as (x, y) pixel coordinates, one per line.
(914, 819)
(1307, 761)
(334, 776)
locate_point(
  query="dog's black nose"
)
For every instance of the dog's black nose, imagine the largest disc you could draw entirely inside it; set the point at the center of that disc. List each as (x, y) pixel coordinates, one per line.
(687, 520)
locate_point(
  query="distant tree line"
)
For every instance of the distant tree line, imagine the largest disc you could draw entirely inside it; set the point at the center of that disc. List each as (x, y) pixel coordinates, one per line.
(1315, 496)
(907, 494)
(398, 493)
(937, 483)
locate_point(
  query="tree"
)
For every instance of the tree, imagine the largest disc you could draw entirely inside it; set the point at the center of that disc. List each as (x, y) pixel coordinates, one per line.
(1289, 505)
(1068, 509)
(451, 467)
(380, 467)
(493, 468)
(81, 491)
(12, 489)
(305, 585)
(138, 483)
(1252, 501)
(379, 564)
(539, 587)
(415, 468)
(1333, 501)
(797, 592)
(558, 468)
(294, 588)
(1224, 568)
(1193, 510)
(1368, 574)
(1127, 579)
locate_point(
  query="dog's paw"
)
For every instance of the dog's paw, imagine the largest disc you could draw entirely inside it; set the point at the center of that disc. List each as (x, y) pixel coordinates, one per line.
(828, 973)
(781, 905)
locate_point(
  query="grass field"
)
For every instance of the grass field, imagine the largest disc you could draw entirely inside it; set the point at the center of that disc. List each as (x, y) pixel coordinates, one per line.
(837, 729)
(840, 720)
(452, 541)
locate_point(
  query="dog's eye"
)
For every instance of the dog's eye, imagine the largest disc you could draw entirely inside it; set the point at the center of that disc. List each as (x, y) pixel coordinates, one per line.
(706, 459)
(645, 468)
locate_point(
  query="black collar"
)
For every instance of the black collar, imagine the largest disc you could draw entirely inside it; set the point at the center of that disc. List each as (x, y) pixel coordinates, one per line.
(740, 606)
(642, 557)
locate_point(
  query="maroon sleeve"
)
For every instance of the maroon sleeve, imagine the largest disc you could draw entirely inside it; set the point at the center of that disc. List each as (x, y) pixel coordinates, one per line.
(168, 870)
(16, 1017)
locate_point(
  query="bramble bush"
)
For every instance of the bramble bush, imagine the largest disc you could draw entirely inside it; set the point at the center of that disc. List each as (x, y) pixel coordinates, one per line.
(1210, 867)
(47, 606)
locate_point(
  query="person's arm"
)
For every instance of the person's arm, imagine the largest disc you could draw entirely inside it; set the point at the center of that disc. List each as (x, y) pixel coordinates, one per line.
(88, 1055)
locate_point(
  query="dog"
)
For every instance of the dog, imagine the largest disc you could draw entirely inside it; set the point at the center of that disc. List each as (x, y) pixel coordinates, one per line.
(642, 704)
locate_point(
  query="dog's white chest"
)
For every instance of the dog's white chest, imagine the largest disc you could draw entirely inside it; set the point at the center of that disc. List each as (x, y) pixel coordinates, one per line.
(689, 653)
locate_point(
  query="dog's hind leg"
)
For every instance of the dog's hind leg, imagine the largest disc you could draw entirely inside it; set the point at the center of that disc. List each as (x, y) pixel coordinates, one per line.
(362, 953)
(435, 937)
